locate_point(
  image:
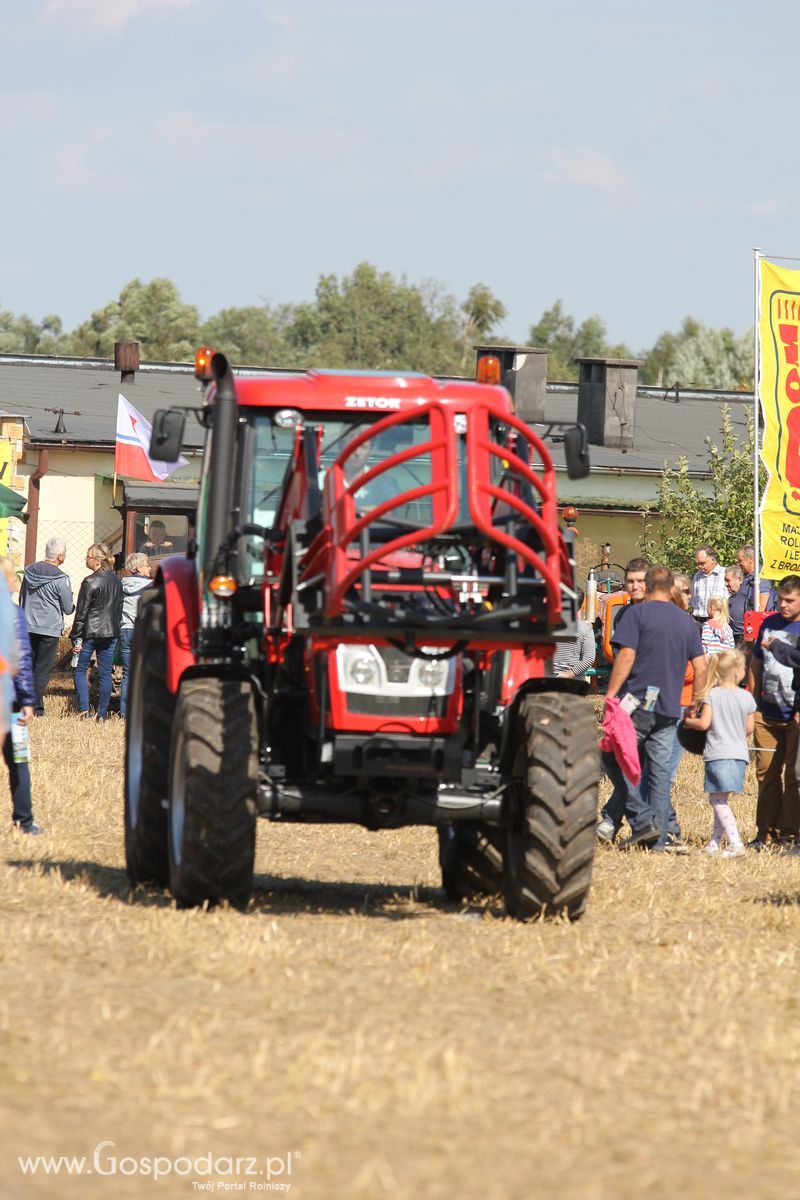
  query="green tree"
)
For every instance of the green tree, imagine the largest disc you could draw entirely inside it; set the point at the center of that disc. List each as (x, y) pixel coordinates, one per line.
(23, 335)
(250, 336)
(715, 358)
(151, 314)
(558, 333)
(370, 321)
(721, 517)
(658, 363)
(483, 312)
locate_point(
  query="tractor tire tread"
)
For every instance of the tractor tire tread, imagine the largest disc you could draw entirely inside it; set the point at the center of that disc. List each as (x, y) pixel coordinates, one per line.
(557, 772)
(220, 770)
(146, 844)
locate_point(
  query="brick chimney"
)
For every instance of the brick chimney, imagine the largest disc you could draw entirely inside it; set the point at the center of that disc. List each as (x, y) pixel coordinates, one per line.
(126, 360)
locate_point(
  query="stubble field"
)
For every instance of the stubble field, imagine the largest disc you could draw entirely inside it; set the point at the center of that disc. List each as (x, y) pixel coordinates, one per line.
(354, 1035)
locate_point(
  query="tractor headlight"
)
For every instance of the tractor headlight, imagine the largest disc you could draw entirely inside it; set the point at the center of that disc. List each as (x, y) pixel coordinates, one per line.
(432, 672)
(362, 668)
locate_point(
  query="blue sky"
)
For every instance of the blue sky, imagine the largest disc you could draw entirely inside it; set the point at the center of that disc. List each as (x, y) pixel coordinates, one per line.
(624, 157)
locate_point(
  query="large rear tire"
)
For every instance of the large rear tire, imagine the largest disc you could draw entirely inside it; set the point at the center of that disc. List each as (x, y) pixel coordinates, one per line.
(551, 808)
(471, 858)
(213, 779)
(148, 726)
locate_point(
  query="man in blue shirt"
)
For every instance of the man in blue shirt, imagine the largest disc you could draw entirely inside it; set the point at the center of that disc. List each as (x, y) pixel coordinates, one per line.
(776, 733)
(654, 643)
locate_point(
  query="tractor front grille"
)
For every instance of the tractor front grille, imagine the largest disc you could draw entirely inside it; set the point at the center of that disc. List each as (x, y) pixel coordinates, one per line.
(396, 706)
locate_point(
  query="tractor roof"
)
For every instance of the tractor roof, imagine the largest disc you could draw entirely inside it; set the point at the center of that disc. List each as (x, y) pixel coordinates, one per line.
(354, 391)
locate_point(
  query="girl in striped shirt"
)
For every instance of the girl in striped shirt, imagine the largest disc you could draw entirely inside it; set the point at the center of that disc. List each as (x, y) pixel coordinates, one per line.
(716, 633)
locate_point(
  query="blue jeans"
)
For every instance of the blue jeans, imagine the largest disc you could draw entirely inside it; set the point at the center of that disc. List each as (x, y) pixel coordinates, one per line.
(626, 800)
(125, 639)
(656, 736)
(674, 762)
(19, 777)
(104, 649)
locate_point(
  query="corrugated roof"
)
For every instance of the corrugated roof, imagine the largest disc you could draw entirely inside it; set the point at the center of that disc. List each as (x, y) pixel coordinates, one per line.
(664, 429)
(28, 390)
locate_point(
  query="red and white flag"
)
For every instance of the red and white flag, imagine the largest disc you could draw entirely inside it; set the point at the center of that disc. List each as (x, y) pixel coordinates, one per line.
(132, 447)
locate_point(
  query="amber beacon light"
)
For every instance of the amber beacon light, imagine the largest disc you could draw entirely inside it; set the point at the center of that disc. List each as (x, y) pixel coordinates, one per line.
(223, 586)
(202, 362)
(488, 370)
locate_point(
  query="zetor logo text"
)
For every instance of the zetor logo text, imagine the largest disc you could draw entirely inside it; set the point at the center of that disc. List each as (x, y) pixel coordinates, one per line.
(371, 402)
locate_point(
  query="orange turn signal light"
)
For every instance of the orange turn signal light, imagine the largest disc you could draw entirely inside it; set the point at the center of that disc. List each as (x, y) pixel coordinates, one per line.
(488, 370)
(223, 586)
(202, 362)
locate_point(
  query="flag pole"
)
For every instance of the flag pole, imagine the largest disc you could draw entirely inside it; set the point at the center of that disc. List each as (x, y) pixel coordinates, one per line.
(757, 256)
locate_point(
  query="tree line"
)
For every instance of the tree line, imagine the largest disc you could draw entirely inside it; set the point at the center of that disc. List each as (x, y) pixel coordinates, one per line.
(369, 320)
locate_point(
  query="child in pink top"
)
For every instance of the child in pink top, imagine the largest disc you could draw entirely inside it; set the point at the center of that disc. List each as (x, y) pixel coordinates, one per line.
(716, 633)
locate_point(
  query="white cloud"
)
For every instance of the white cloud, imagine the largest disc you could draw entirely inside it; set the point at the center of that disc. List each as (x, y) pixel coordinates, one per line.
(185, 135)
(767, 208)
(106, 16)
(90, 164)
(590, 169)
(19, 110)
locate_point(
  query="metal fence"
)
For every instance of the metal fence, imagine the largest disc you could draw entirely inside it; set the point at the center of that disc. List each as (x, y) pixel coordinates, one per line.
(79, 536)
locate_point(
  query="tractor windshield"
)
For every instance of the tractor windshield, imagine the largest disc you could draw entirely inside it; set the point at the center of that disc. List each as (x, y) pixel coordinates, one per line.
(271, 453)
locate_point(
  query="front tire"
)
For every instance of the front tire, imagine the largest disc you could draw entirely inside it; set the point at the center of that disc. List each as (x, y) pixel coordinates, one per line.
(148, 726)
(551, 808)
(213, 779)
(471, 859)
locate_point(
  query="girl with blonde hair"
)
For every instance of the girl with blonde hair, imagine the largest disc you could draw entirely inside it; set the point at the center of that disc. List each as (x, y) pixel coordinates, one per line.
(716, 634)
(728, 717)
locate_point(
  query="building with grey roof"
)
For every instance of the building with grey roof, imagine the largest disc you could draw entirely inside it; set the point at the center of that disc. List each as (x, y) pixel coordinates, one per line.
(61, 413)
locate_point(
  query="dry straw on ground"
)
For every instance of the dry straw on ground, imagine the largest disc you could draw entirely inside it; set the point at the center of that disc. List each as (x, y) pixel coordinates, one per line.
(400, 1047)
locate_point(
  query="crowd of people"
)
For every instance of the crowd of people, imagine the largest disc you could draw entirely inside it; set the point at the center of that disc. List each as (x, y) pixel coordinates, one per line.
(679, 669)
(682, 667)
(30, 631)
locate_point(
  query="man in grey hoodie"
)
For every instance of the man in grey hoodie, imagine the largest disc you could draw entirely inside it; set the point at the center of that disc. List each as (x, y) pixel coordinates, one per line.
(46, 597)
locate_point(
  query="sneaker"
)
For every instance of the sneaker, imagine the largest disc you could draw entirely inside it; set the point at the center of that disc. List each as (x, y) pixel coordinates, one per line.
(794, 849)
(33, 830)
(759, 845)
(644, 839)
(606, 832)
(676, 845)
(711, 848)
(733, 852)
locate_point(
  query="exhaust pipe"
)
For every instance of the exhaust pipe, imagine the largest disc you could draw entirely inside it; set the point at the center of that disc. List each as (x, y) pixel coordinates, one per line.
(224, 423)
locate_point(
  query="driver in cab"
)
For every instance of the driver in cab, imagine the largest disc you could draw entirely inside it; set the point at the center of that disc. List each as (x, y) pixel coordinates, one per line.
(157, 541)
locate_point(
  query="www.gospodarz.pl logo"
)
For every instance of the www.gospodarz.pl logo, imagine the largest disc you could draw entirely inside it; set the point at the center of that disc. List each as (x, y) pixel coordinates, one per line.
(207, 1172)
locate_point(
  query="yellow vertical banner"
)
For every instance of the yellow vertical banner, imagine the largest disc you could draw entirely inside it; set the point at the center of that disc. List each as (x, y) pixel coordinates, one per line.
(779, 394)
(6, 473)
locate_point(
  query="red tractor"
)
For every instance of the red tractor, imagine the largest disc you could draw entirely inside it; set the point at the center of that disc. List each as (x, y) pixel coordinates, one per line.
(362, 633)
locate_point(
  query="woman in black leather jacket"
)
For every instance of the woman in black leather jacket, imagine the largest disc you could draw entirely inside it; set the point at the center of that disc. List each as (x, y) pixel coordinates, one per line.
(96, 626)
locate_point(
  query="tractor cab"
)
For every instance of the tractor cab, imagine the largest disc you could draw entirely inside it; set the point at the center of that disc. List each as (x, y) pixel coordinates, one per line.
(156, 521)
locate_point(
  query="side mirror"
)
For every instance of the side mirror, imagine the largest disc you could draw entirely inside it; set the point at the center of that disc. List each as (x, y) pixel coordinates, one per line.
(166, 438)
(576, 452)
